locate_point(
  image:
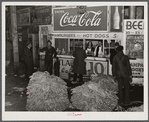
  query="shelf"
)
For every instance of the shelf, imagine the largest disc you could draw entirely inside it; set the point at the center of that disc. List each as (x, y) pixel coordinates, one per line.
(109, 47)
(88, 57)
(74, 46)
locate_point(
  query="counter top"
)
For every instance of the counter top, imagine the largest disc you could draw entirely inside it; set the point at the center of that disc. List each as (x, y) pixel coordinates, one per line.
(88, 58)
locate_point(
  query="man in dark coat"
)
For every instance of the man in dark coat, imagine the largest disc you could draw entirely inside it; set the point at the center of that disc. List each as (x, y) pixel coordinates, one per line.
(79, 65)
(8, 52)
(123, 74)
(20, 43)
(50, 53)
(113, 52)
(28, 59)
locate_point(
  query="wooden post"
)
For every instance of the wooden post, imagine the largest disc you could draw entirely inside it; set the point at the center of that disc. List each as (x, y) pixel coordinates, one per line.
(14, 37)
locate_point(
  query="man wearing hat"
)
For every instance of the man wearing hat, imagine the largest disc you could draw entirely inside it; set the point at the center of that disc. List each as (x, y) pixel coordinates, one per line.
(113, 52)
(50, 53)
(122, 72)
(28, 59)
(79, 65)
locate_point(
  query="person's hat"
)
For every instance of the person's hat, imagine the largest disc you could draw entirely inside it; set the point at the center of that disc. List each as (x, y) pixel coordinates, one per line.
(49, 41)
(116, 44)
(119, 48)
(29, 42)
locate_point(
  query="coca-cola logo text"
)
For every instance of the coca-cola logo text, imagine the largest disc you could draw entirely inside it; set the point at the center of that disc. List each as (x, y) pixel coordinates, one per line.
(81, 20)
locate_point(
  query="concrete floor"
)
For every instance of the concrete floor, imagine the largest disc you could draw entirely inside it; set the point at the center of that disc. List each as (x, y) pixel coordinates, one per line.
(16, 101)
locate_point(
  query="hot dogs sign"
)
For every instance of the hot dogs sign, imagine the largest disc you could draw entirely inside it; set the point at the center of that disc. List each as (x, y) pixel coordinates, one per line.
(68, 19)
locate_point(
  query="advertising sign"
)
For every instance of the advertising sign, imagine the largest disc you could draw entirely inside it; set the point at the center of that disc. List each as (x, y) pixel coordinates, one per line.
(93, 68)
(69, 19)
(134, 30)
(134, 35)
(135, 46)
(23, 17)
(41, 15)
(137, 68)
(116, 18)
(89, 35)
(134, 27)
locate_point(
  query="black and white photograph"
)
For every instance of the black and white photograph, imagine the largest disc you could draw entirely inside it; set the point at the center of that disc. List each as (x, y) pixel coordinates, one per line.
(74, 61)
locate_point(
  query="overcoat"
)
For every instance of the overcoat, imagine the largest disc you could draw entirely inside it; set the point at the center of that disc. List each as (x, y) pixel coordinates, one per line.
(49, 54)
(113, 53)
(8, 51)
(28, 59)
(79, 65)
(122, 69)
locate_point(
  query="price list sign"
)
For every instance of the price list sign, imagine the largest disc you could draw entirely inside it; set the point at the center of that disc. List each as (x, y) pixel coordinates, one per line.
(134, 30)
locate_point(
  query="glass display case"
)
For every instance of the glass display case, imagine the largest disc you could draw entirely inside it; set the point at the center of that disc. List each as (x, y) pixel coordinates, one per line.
(68, 46)
(61, 46)
(106, 47)
(74, 44)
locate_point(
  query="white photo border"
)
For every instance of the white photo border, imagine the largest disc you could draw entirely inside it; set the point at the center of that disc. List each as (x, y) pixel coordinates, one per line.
(50, 116)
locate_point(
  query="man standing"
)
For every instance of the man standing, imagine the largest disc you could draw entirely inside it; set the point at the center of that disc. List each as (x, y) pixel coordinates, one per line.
(50, 53)
(9, 50)
(113, 52)
(28, 59)
(20, 48)
(123, 74)
(98, 52)
(79, 65)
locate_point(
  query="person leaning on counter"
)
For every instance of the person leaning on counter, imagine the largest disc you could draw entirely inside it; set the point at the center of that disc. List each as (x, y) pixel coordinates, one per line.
(50, 53)
(98, 52)
(79, 64)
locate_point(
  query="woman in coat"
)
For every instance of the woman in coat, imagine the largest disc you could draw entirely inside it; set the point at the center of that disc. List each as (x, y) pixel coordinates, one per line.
(79, 65)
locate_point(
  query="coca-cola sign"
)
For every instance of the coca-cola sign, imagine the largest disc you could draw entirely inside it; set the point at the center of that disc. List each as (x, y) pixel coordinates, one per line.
(68, 19)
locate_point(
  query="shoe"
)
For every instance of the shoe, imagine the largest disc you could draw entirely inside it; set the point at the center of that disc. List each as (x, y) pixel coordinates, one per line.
(126, 103)
(118, 108)
(22, 76)
(81, 83)
(74, 82)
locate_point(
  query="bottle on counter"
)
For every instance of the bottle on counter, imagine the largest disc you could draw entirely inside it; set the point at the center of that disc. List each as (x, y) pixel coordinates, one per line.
(116, 19)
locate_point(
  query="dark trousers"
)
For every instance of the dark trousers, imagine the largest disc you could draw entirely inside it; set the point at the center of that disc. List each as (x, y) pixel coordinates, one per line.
(29, 70)
(123, 90)
(49, 67)
(80, 77)
(56, 72)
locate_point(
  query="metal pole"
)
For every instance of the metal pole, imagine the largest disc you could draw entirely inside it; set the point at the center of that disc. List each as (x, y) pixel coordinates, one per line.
(14, 36)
